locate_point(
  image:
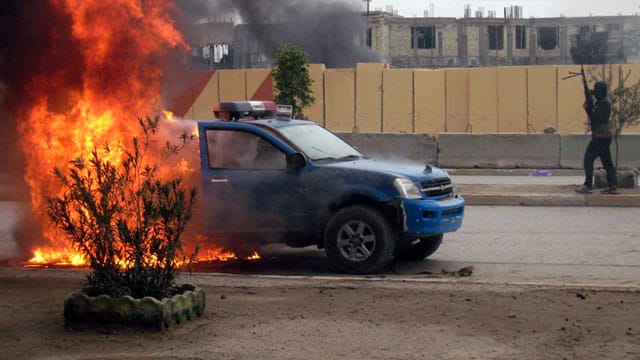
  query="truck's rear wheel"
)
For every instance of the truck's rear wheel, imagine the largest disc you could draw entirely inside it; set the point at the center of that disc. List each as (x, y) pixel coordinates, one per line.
(359, 240)
(418, 251)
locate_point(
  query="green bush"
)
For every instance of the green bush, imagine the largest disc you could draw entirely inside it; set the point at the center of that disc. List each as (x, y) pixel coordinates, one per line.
(292, 79)
(125, 220)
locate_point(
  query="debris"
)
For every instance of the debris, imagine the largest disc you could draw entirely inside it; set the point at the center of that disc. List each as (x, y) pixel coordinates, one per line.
(465, 271)
(540, 173)
(462, 272)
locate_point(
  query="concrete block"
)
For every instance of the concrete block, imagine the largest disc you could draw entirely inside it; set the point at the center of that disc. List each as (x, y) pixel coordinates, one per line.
(629, 151)
(572, 149)
(421, 148)
(462, 150)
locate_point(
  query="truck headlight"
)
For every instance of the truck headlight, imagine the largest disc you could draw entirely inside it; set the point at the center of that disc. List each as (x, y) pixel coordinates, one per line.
(407, 188)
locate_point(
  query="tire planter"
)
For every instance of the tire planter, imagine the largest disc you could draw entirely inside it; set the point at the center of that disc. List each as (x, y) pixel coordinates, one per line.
(148, 312)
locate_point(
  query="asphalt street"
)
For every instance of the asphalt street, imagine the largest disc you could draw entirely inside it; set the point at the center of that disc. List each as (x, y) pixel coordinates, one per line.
(560, 241)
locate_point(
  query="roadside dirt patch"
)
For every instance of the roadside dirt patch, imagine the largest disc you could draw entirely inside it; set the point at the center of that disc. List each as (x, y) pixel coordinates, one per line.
(249, 317)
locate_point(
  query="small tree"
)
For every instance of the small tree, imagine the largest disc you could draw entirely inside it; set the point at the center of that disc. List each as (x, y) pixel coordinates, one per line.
(124, 219)
(292, 79)
(624, 98)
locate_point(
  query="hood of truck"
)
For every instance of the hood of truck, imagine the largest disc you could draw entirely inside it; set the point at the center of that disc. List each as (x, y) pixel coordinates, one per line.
(408, 169)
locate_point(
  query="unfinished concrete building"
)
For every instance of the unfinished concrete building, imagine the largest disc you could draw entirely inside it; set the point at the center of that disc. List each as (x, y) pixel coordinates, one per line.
(490, 40)
(419, 42)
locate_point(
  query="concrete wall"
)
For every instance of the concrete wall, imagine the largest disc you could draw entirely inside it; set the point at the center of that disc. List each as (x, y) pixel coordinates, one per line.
(502, 151)
(374, 98)
(572, 149)
(316, 112)
(369, 98)
(430, 112)
(483, 100)
(499, 150)
(542, 99)
(457, 100)
(397, 96)
(339, 86)
(419, 148)
(512, 99)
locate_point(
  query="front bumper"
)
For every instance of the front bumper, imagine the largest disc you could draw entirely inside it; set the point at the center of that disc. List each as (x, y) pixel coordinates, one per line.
(428, 217)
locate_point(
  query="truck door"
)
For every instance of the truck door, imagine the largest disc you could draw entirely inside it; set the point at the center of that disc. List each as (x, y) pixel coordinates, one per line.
(246, 188)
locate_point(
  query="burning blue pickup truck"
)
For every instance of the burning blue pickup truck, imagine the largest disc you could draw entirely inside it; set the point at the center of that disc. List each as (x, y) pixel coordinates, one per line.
(269, 178)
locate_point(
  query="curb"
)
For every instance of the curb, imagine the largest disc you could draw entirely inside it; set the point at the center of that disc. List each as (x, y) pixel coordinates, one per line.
(510, 172)
(553, 200)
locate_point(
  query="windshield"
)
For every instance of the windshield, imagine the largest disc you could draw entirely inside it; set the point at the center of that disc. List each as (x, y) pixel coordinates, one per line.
(317, 143)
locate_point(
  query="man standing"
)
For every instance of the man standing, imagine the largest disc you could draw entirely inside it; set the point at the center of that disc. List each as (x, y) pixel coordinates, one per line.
(599, 115)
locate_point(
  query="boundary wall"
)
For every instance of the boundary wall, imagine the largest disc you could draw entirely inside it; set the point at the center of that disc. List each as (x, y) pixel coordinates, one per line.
(491, 151)
(372, 98)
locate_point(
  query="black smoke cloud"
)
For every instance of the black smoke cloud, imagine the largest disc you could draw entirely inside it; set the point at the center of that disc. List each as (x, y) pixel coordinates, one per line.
(331, 32)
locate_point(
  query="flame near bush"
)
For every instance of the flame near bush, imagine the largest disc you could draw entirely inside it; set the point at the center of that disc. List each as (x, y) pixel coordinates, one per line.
(124, 219)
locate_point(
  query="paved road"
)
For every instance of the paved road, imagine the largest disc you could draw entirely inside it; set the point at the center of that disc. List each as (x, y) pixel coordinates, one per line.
(591, 245)
(595, 246)
(505, 244)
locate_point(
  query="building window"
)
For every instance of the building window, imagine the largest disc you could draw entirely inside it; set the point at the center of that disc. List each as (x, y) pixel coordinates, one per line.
(521, 37)
(423, 37)
(496, 37)
(585, 29)
(548, 38)
(614, 27)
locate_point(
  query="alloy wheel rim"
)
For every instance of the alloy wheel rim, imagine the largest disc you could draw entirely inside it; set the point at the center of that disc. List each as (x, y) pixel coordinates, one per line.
(356, 241)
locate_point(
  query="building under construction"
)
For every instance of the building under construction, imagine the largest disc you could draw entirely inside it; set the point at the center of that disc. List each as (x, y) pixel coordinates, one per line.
(510, 39)
(476, 39)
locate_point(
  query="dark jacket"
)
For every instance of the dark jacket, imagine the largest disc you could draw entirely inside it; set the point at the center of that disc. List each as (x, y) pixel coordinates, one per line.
(599, 119)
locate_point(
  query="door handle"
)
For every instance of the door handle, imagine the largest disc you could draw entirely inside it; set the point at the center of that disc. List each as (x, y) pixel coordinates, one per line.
(219, 180)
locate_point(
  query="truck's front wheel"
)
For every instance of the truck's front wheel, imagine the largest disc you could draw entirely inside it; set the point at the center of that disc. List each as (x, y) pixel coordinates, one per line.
(359, 240)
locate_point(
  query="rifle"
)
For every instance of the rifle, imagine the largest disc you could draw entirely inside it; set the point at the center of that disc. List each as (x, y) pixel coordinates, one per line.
(588, 96)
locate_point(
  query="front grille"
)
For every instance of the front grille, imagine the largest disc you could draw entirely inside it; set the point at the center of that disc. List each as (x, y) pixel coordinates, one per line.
(437, 187)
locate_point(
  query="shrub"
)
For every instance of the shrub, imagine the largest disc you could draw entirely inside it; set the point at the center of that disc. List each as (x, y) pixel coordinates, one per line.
(124, 219)
(292, 79)
(624, 96)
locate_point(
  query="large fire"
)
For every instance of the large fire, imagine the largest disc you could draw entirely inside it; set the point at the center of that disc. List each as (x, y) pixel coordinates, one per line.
(119, 44)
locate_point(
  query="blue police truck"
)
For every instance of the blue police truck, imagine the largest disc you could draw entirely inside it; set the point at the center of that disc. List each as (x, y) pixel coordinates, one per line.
(270, 178)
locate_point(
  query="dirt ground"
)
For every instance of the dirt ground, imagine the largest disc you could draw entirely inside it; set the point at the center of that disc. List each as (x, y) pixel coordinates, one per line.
(299, 317)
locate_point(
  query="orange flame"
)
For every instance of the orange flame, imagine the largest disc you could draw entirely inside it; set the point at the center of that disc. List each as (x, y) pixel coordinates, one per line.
(120, 42)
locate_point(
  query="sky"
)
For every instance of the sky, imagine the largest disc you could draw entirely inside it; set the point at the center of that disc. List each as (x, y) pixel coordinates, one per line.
(531, 8)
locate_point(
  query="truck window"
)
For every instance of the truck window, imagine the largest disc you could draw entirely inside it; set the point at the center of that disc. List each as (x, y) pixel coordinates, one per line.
(269, 157)
(233, 149)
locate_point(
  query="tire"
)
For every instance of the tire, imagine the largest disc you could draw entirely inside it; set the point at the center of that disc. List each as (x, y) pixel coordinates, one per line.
(426, 247)
(359, 240)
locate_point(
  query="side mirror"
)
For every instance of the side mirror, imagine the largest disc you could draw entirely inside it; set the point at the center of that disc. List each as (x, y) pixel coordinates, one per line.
(295, 162)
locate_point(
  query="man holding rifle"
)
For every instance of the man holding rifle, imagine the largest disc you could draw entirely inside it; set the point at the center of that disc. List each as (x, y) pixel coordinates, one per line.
(598, 114)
